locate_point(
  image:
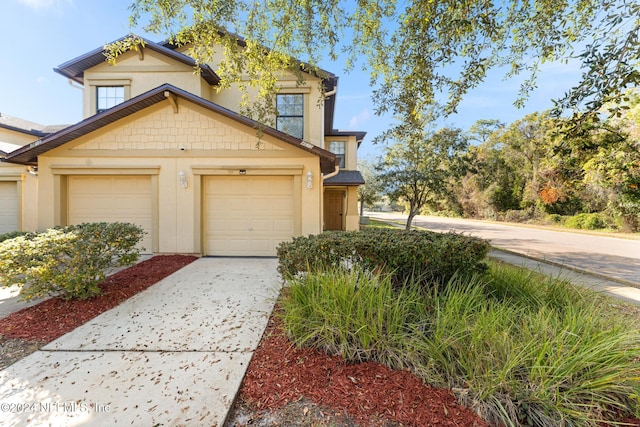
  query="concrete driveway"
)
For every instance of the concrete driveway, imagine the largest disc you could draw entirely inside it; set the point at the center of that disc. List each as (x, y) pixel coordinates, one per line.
(174, 354)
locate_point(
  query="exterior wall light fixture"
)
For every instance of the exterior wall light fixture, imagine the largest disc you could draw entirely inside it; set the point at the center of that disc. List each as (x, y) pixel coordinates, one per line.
(309, 179)
(182, 179)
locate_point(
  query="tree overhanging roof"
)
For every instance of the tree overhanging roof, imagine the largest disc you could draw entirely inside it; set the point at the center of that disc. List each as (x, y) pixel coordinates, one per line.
(74, 69)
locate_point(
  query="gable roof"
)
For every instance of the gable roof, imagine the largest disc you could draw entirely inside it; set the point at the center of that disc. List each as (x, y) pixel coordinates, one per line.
(74, 69)
(29, 153)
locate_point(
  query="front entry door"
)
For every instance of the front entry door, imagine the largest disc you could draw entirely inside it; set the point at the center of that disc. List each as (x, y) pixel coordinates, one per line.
(333, 210)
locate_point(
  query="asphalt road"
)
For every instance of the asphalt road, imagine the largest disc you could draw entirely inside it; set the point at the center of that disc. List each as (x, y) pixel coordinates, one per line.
(612, 257)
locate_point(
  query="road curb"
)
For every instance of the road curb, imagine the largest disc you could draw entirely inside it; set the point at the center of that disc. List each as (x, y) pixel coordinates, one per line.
(570, 268)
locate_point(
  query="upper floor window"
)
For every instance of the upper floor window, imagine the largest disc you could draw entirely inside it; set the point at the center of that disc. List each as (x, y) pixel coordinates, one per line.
(338, 148)
(290, 118)
(108, 96)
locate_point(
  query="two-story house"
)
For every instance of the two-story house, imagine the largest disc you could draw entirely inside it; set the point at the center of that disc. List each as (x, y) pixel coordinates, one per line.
(161, 147)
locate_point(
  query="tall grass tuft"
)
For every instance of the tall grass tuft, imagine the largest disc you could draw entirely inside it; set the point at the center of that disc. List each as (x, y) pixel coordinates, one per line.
(357, 315)
(517, 347)
(531, 352)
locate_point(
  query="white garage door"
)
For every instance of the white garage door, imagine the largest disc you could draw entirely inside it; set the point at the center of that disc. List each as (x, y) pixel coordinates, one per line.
(112, 199)
(247, 216)
(8, 206)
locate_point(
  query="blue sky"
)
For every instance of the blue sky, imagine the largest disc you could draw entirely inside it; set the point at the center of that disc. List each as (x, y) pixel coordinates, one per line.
(39, 35)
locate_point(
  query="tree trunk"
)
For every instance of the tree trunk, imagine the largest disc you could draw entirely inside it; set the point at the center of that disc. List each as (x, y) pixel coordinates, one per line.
(361, 208)
(412, 214)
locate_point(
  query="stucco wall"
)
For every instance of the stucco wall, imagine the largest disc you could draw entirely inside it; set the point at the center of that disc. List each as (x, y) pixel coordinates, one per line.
(139, 76)
(16, 138)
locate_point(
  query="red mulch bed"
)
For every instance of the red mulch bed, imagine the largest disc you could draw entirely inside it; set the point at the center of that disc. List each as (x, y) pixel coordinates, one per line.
(55, 317)
(280, 373)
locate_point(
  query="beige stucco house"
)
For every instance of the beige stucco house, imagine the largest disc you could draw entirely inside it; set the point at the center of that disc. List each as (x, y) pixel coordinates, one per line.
(161, 147)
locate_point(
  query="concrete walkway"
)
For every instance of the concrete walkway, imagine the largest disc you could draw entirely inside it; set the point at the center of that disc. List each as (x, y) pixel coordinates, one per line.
(172, 355)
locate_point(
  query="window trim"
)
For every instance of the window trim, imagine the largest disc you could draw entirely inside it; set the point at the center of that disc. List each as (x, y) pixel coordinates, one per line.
(108, 98)
(92, 91)
(300, 116)
(342, 156)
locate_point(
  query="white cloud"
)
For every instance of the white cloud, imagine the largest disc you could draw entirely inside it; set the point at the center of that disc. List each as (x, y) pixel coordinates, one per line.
(44, 4)
(358, 120)
(41, 79)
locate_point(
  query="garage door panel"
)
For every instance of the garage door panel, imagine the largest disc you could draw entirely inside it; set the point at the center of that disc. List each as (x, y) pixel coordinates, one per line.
(261, 245)
(285, 226)
(8, 206)
(228, 227)
(247, 215)
(112, 199)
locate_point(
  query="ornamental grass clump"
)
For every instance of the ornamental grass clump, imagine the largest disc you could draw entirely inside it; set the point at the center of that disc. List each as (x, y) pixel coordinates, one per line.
(356, 315)
(519, 348)
(67, 262)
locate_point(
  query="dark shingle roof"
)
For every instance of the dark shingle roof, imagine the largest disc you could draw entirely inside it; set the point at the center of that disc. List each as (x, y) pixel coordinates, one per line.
(29, 153)
(344, 177)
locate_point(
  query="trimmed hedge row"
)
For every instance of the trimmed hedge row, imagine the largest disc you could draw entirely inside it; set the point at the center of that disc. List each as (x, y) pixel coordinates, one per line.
(67, 262)
(12, 235)
(415, 255)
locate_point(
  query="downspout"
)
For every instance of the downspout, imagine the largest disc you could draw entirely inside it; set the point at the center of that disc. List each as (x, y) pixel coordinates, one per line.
(71, 83)
(331, 92)
(334, 173)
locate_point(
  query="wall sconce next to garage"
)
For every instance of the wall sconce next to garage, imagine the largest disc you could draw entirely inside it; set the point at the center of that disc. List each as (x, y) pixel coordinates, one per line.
(309, 179)
(182, 179)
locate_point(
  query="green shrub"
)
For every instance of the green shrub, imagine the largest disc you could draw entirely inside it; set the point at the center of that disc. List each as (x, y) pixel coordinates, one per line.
(12, 235)
(67, 262)
(586, 221)
(416, 255)
(554, 219)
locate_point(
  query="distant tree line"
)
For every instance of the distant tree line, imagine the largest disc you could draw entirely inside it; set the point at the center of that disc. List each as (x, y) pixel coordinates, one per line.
(532, 169)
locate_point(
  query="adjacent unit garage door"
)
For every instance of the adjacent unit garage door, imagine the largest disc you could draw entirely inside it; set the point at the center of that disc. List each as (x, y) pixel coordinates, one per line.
(112, 199)
(8, 206)
(247, 215)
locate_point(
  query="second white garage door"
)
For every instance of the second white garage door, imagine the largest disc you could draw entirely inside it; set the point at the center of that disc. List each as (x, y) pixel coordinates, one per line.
(112, 199)
(8, 206)
(246, 215)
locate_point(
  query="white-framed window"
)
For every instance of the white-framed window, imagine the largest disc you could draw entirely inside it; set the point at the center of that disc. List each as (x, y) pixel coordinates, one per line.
(290, 118)
(338, 148)
(108, 96)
